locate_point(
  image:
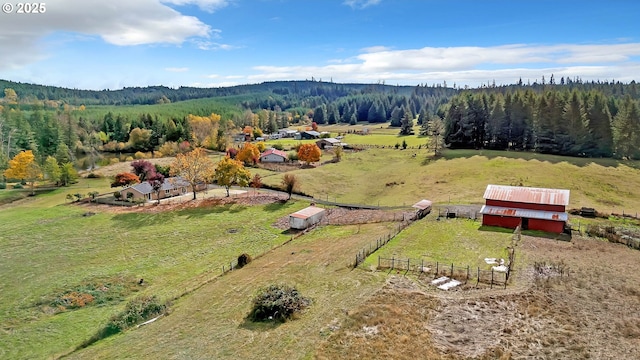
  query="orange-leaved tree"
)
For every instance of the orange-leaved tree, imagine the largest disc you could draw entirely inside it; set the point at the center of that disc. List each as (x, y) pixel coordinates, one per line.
(23, 166)
(194, 167)
(231, 172)
(249, 154)
(309, 153)
(124, 179)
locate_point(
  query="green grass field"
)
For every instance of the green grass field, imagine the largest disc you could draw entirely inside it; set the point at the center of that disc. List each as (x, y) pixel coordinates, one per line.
(48, 245)
(445, 241)
(396, 177)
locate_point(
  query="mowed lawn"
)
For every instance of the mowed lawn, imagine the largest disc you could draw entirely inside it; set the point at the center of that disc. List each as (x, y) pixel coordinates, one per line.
(48, 246)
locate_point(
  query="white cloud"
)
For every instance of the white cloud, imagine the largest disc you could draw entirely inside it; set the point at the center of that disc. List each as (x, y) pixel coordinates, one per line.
(361, 4)
(206, 5)
(210, 45)
(471, 65)
(176, 69)
(118, 22)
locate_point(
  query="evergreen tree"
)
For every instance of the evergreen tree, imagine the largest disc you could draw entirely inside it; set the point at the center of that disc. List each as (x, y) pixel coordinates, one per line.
(407, 125)
(319, 116)
(600, 137)
(626, 130)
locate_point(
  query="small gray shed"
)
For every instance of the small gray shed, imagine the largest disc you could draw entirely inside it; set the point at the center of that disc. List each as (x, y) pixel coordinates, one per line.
(306, 217)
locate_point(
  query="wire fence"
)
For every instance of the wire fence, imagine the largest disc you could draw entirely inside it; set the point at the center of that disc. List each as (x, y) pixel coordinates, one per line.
(380, 242)
(464, 274)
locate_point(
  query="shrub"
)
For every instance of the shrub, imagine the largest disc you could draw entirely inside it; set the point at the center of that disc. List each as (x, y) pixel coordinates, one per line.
(278, 303)
(293, 156)
(137, 310)
(140, 155)
(94, 176)
(243, 260)
(128, 158)
(278, 146)
(18, 186)
(117, 195)
(3, 186)
(114, 161)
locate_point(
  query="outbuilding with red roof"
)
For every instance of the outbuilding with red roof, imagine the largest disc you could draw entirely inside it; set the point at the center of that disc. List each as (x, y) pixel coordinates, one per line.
(531, 208)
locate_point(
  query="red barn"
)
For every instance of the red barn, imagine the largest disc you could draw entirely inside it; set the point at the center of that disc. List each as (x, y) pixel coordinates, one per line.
(533, 208)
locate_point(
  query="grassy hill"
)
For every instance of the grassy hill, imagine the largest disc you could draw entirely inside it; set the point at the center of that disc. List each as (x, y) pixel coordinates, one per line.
(49, 246)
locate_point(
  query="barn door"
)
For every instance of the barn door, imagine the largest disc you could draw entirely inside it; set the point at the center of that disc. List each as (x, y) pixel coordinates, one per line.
(525, 223)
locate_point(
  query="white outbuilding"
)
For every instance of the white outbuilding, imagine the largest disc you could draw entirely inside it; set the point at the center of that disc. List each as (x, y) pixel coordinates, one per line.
(306, 217)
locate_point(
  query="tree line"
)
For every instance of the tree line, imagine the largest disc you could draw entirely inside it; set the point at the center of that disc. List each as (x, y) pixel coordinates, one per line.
(554, 120)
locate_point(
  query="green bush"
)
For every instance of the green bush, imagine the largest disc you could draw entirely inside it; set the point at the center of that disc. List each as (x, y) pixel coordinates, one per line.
(278, 146)
(18, 186)
(137, 311)
(3, 186)
(277, 303)
(93, 176)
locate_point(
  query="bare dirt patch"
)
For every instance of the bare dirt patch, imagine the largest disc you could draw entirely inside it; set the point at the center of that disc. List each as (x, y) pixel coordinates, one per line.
(544, 316)
(341, 216)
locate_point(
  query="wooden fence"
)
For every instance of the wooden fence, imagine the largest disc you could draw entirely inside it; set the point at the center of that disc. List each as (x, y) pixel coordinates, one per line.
(464, 274)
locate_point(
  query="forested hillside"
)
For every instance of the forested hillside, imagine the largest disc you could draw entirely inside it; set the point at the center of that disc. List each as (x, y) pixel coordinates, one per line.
(592, 120)
(566, 117)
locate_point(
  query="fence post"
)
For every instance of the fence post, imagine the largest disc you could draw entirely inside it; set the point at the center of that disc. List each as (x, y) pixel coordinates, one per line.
(393, 260)
(437, 268)
(421, 265)
(378, 261)
(491, 278)
(468, 274)
(478, 279)
(451, 271)
(223, 269)
(408, 264)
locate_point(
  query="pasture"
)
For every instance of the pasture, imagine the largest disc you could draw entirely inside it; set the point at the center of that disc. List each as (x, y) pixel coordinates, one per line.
(48, 245)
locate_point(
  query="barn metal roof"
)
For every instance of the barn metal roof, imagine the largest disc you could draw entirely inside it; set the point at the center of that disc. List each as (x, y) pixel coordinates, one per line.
(524, 213)
(307, 212)
(529, 195)
(422, 204)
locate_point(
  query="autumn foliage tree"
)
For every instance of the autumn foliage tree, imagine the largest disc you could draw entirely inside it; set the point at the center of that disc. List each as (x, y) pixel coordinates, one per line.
(290, 183)
(249, 154)
(144, 169)
(24, 167)
(124, 179)
(309, 153)
(194, 167)
(204, 129)
(256, 182)
(231, 172)
(156, 180)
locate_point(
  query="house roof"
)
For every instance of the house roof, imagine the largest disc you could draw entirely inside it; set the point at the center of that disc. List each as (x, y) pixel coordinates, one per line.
(307, 212)
(422, 204)
(312, 133)
(274, 152)
(331, 140)
(524, 213)
(527, 195)
(168, 184)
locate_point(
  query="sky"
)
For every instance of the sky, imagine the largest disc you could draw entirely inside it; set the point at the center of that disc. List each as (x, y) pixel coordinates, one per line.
(99, 44)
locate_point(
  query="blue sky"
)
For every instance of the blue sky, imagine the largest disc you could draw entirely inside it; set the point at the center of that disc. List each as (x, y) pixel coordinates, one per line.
(92, 44)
